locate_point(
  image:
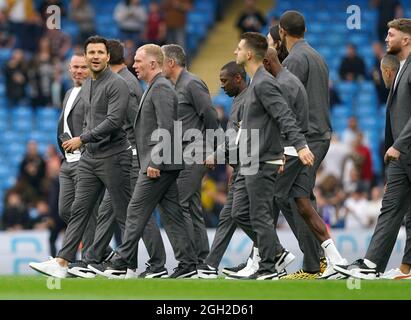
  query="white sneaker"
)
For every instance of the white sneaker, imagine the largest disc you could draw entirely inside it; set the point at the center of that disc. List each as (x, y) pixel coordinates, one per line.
(331, 274)
(249, 269)
(285, 259)
(50, 268)
(395, 274)
(131, 274)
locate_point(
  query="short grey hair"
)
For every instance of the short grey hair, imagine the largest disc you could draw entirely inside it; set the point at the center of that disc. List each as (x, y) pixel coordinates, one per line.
(390, 61)
(176, 53)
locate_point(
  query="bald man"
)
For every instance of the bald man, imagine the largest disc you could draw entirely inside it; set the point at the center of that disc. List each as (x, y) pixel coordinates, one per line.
(157, 181)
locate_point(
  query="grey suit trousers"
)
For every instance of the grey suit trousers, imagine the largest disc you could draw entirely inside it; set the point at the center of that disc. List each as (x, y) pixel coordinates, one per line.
(189, 191)
(240, 213)
(68, 182)
(95, 175)
(307, 242)
(225, 229)
(395, 204)
(105, 228)
(147, 194)
(406, 259)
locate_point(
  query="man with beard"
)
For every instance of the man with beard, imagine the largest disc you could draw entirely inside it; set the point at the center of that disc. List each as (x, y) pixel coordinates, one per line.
(396, 200)
(308, 65)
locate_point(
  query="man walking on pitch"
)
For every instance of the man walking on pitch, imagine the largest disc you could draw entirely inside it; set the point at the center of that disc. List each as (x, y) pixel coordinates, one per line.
(396, 200)
(195, 111)
(156, 183)
(107, 159)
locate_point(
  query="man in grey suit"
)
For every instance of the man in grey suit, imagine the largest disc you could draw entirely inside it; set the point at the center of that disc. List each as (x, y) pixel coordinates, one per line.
(106, 219)
(294, 182)
(195, 111)
(71, 122)
(106, 161)
(266, 112)
(396, 200)
(308, 65)
(156, 184)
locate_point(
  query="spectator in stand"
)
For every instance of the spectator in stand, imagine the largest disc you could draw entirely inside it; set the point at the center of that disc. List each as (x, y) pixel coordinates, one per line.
(351, 176)
(363, 160)
(387, 11)
(352, 66)
(60, 43)
(40, 216)
(34, 31)
(175, 14)
(251, 19)
(336, 155)
(330, 198)
(334, 97)
(350, 133)
(18, 13)
(41, 74)
(33, 168)
(376, 73)
(131, 17)
(81, 12)
(156, 30)
(7, 39)
(374, 205)
(15, 72)
(58, 87)
(355, 207)
(15, 215)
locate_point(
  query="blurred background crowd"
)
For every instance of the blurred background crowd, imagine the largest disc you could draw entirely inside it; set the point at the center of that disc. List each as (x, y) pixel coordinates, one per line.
(34, 78)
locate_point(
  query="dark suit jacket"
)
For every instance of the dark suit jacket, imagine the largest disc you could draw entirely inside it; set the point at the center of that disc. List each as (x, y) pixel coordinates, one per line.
(157, 110)
(308, 65)
(265, 109)
(398, 121)
(75, 118)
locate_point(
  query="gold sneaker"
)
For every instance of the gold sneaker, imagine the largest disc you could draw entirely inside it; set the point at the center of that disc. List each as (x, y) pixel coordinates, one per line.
(302, 275)
(323, 264)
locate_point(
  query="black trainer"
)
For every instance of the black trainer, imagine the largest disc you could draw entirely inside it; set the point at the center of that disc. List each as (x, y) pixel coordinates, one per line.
(110, 269)
(184, 272)
(264, 275)
(206, 271)
(232, 270)
(80, 269)
(151, 273)
(358, 269)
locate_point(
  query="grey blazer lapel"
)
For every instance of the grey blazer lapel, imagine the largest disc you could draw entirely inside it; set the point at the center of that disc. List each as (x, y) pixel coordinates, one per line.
(143, 98)
(407, 62)
(61, 118)
(75, 102)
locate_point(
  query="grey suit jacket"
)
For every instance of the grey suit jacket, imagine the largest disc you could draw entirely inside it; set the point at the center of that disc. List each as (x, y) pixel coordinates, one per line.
(75, 118)
(398, 121)
(308, 65)
(265, 109)
(157, 110)
(195, 109)
(136, 93)
(106, 102)
(296, 96)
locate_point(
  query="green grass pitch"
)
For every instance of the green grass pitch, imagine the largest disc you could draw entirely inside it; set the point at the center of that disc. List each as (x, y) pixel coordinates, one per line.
(35, 287)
